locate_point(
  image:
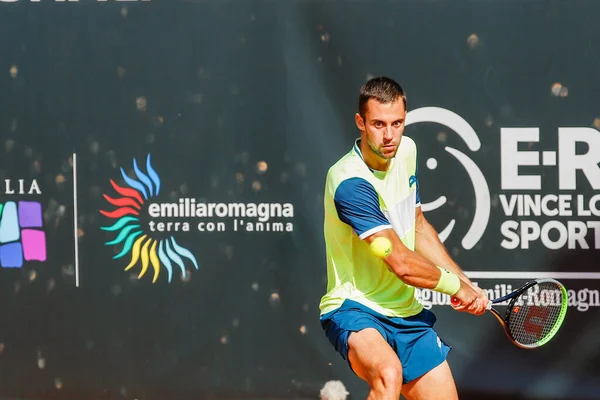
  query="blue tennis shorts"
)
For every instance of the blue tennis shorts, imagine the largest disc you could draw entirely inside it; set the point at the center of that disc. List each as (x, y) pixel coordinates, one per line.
(414, 340)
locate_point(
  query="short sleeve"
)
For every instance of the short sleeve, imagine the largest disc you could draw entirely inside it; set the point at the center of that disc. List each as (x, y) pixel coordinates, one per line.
(357, 204)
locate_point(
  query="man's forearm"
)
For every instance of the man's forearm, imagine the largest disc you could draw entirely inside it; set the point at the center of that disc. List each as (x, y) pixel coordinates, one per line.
(428, 244)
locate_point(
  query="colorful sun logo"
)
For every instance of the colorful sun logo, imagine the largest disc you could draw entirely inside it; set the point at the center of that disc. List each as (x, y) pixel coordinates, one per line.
(143, 248)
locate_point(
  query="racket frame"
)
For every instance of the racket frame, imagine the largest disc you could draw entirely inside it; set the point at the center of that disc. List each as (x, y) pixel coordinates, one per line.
(513, 297)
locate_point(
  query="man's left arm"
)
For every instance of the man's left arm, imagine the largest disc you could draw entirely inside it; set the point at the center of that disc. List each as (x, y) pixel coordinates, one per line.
(429, 245)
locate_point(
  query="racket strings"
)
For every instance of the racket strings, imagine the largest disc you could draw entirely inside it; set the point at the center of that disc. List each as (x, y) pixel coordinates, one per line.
(535, 313)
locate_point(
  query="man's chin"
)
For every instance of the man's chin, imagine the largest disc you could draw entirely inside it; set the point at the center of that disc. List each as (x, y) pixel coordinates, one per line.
(389, 153)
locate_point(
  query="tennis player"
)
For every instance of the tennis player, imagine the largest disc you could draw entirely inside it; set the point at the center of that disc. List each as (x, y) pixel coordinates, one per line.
(370, 313)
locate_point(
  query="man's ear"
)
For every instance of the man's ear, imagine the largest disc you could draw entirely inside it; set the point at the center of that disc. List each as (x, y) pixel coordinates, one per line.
(360, 122)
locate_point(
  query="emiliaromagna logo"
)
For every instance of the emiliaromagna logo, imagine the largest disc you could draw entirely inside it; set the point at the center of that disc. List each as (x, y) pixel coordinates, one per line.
(145, 228)
(132, 236)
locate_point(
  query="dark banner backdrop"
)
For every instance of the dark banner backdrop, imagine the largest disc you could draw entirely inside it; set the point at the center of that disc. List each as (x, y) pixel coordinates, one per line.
(202, 133)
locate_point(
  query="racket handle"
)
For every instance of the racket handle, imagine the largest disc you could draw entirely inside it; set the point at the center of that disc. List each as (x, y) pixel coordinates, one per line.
(456, 302)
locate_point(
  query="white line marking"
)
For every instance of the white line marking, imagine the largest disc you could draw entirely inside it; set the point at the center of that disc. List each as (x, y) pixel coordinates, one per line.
(75, 229)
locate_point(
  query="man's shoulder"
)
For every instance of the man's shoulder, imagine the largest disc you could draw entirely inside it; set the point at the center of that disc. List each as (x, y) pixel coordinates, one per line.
(407, 146)
(348, 166)
(407, 153)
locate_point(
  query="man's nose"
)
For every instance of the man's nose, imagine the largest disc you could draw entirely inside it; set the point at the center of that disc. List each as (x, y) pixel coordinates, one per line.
(387, 133)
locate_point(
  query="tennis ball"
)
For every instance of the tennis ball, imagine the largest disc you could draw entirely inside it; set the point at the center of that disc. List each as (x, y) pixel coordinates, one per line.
(381, 247)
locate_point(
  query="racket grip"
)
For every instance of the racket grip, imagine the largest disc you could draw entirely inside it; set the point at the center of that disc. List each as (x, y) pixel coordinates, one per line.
(456, 302)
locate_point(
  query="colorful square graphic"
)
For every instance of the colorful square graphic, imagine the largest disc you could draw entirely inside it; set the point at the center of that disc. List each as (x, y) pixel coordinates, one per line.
(11, 255)
(30, 214)
(34, 244)
(17, 244)
(9, 223)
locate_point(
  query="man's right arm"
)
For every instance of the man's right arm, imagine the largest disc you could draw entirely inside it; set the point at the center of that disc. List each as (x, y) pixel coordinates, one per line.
(357, 204)
(415, 270)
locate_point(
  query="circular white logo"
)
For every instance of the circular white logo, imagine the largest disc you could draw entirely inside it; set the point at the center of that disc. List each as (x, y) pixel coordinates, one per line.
(456, 123)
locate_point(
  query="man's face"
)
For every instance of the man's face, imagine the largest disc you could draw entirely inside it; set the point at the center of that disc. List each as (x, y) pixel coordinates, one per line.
(382, 127)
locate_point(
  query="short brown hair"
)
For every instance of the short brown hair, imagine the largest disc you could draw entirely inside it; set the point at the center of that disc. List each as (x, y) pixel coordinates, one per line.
(384, 90)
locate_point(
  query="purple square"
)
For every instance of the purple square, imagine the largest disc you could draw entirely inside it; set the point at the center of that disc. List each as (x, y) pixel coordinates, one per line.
(34, 244)
(11, 255)
(30, 214)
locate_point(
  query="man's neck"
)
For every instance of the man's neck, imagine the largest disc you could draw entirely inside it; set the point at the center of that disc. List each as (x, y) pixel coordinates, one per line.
(372, 160)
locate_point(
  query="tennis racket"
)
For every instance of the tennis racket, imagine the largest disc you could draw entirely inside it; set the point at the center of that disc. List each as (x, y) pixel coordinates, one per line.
(534, 312)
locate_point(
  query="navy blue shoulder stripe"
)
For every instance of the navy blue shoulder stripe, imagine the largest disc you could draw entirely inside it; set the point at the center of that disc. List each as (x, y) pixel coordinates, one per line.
(357, 204)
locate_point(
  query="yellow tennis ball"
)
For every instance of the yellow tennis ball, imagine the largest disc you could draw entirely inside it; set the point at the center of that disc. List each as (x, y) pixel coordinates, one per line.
(381, 247)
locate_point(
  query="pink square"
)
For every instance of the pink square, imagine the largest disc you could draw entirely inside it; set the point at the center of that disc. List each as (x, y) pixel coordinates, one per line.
(34, 244)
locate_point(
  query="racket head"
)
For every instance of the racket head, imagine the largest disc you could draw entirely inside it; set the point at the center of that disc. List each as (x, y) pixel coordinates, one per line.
(535, 314)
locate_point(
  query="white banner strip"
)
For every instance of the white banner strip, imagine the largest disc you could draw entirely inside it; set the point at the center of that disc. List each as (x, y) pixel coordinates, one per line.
(531, 275)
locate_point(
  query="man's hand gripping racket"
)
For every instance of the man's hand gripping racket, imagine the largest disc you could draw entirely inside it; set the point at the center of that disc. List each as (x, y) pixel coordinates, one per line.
(534, 312)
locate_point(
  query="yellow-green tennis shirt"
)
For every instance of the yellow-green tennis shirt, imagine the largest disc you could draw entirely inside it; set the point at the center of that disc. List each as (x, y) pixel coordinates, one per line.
(360, 201)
